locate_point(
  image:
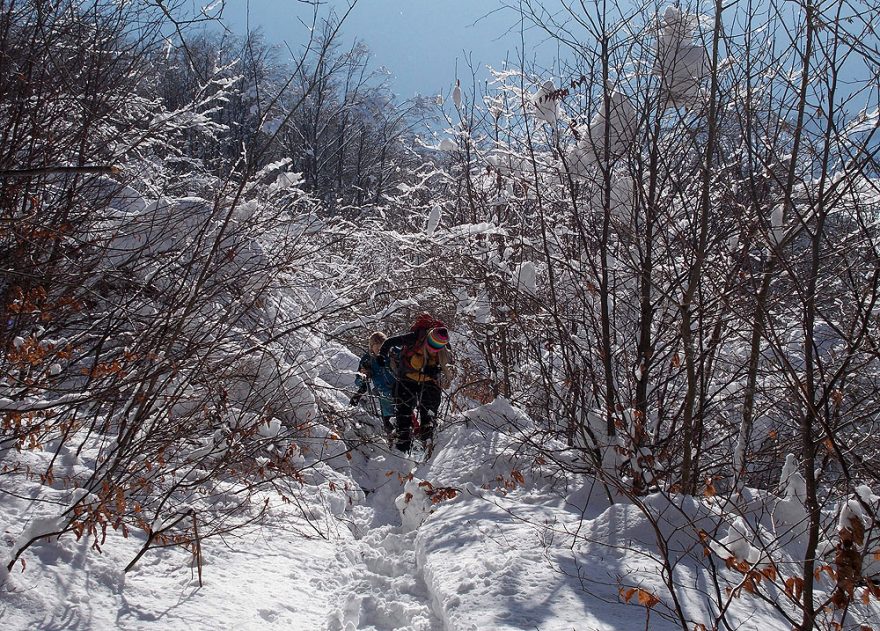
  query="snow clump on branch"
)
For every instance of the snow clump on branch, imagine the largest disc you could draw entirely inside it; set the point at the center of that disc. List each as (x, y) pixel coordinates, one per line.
(620, 119)
(681, 63)
(544, 105)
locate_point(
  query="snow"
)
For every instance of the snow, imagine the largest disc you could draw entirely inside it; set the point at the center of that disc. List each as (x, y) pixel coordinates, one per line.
(478, 307)
(272, 125)
(484, 535)
(851, 513)
(865, 122)
(791, 479)
(790, 509)
(737, 544)
(777, 225)
(544, 106)
(525, 277)
(215, 476)
(433, 220)
(447, 144)
(414, 504)
(288, 180)
(78, 589)
(619, 119)
(681, 63)
(733, 243)
(494, 105)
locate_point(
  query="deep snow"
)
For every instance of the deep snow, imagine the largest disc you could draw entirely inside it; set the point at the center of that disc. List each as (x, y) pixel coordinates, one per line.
(510, 543)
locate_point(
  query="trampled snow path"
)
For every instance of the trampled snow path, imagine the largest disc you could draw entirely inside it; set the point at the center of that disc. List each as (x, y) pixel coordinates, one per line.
(381, 586)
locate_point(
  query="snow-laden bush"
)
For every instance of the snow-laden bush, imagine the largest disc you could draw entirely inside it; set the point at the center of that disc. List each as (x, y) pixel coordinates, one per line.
(160, 349)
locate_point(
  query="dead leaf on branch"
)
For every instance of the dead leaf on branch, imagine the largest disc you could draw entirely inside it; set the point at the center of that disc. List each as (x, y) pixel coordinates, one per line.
(794, 587)
(643, 597)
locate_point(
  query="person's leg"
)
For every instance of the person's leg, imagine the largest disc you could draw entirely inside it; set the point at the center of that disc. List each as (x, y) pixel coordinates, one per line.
(429, 404)
(386, 407)
(406, 395)
(386, 404)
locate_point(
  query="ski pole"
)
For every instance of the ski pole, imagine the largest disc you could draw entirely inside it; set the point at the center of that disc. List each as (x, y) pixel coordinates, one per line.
(445, 411)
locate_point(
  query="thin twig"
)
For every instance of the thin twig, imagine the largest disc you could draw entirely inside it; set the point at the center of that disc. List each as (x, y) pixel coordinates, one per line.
(59, 169)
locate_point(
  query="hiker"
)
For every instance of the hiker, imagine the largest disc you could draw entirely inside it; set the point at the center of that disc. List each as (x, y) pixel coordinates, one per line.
(371, 370)
(423, 368)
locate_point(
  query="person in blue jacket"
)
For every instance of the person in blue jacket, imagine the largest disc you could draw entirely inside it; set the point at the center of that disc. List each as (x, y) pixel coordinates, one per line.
(370, 370)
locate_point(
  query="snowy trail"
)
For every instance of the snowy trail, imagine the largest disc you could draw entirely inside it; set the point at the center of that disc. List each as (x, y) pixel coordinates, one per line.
(381, 586)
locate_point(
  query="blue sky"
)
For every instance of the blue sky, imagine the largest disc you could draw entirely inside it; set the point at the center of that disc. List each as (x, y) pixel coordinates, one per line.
(420, 41)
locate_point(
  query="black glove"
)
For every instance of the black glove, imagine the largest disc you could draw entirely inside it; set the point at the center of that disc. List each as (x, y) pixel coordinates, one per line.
(353, 401)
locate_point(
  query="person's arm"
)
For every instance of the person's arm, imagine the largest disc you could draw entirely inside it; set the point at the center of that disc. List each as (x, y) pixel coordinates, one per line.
(361, 384)
(360, 381)
(398, 340)
(365, 370)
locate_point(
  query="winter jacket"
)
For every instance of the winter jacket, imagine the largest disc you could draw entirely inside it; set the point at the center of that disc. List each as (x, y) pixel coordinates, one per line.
(416, 362)
(371, 369)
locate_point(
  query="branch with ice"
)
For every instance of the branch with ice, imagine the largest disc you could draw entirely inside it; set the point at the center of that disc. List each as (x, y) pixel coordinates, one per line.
(33, 405)
(367, 321)
(495, 106)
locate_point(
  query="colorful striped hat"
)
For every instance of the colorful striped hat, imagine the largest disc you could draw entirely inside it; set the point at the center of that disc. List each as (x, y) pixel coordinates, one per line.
(437, 339)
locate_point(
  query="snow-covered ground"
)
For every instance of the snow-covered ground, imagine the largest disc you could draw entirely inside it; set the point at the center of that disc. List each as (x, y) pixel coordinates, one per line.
(475, 538)
(272, 576)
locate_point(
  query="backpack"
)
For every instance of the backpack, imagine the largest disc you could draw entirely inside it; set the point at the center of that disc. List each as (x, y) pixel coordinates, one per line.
(413, 359)
(394, 364)
(424, 322)
(408, 353)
